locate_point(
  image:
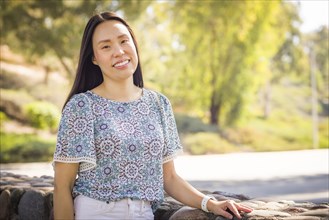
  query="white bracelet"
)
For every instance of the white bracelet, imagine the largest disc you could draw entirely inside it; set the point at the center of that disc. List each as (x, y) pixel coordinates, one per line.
(205, 199)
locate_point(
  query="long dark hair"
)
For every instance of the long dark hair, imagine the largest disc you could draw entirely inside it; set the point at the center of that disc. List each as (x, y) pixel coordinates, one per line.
(88, 75)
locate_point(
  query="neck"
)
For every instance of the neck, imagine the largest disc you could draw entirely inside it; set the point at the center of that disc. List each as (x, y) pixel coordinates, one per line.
(119, 91)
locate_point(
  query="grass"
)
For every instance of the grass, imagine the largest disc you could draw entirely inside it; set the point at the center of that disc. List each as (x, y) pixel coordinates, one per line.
(289, 126)
(207, 143)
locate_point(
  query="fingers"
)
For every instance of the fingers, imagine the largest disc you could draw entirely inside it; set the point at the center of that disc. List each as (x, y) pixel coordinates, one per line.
(225, 214)
(232, 206)
(243, 208)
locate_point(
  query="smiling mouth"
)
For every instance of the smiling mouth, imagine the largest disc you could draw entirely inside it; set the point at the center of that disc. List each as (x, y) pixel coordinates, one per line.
(122, 63)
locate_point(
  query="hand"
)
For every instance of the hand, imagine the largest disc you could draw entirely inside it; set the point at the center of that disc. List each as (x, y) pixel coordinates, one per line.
(224, 208)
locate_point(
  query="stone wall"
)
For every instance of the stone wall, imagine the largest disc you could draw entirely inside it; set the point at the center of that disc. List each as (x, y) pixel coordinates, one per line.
(31, 198)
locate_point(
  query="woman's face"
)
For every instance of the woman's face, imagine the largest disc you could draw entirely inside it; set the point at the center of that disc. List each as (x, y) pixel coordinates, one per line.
(114, 51)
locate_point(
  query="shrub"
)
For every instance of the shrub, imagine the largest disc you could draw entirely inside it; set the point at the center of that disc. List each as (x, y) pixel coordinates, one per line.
(188, 124)
(324, 134)
(25, 148)
(42, 115)
(3, 117)
(206, 143)
(240, 136)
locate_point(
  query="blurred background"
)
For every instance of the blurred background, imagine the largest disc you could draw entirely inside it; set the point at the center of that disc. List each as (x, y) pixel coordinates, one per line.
(243, 77)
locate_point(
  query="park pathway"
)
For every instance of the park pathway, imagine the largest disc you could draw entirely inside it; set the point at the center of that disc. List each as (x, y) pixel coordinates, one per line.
(292, 175)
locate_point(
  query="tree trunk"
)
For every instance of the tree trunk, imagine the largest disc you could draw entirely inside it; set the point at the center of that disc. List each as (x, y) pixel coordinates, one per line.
(314, 98)
(66, 67)
(267, 99)
(47, 73)
(214, 110)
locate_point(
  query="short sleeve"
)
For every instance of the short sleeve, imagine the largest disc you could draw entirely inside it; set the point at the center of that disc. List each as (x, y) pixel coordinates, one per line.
(172, 142)
(75, 139)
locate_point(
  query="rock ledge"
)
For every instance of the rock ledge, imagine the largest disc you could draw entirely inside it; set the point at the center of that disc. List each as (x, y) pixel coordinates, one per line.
(31, 198)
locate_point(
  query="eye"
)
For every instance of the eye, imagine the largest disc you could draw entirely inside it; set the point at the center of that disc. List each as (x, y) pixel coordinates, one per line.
(106, 47)
(124, 41)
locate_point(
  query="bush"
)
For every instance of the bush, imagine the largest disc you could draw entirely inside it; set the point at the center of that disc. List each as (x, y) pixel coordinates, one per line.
(206, 143)
(3, 117)
(25, 148)
(240, 136)
(324, 134)
(42, 115)
(188, 124)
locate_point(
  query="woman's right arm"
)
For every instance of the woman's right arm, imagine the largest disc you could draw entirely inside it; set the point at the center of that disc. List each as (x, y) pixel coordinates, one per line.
(65, 175)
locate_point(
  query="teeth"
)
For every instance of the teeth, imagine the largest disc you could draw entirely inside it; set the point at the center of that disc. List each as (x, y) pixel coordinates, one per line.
(121, 63)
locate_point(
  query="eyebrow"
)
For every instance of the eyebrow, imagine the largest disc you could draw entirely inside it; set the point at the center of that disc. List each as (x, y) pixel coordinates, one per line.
(109, 40)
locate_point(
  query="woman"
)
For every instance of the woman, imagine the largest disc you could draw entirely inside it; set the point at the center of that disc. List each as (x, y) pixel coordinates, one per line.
(119, 138)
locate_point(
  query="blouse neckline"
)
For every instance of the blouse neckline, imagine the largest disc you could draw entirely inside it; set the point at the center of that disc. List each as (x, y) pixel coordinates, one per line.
(118, 102)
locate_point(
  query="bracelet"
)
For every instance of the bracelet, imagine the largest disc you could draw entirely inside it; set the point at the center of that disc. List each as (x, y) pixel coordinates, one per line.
(205, 199)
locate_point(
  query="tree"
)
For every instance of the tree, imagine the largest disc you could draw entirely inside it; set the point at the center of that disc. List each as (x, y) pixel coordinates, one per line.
(221, 43)
(39, 29)
(320, 47)
(285, 54)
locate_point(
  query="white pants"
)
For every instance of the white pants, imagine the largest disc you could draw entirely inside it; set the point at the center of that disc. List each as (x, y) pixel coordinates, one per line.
(88, 208)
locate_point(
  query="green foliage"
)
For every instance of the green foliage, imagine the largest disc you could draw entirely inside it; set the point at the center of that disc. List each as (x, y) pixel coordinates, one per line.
(42, 115)
(12, 102)
(212, 59)
(25, 148)
(206, 143)
(318, 44)
(3, 117)
(188, 124)
(276, 133)
(290, 57)
(52, 27)
(240, 136)
(219, 45)
(324, 133)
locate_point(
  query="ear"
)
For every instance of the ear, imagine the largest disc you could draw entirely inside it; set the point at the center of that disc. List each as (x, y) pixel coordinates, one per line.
(94, 60)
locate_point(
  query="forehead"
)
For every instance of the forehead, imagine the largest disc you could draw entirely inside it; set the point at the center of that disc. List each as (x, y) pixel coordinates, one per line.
(109, 30)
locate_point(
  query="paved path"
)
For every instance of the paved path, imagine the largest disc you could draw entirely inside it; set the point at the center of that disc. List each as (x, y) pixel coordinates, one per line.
(291, 175)
(250, 166)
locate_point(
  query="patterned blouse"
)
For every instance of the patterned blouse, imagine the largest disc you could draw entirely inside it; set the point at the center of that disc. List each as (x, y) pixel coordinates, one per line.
(120, 146)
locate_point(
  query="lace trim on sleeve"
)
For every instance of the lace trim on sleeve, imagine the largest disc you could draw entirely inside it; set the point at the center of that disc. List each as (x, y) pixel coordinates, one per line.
(172, 156)
(86, 163)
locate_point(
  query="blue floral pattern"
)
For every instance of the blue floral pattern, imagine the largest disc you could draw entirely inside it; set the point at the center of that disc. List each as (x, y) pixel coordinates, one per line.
(120, 146)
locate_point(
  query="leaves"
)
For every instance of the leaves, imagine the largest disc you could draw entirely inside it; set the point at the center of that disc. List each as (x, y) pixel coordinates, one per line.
(209, 57)
(223, 42)
(38, 29)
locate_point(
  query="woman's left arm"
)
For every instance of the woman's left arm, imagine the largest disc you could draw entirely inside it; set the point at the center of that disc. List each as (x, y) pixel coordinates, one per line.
(183, 192)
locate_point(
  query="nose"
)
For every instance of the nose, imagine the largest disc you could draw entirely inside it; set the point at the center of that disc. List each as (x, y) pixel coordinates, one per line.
(118, 51)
